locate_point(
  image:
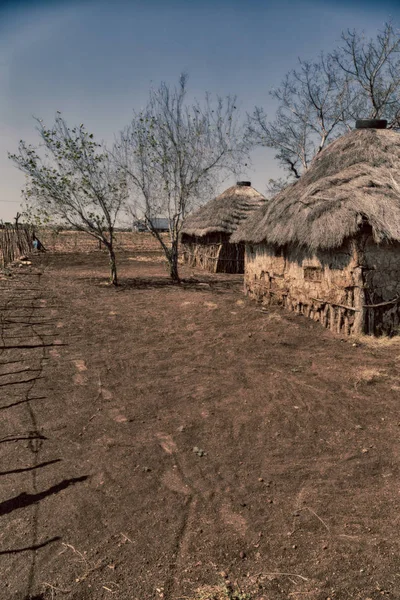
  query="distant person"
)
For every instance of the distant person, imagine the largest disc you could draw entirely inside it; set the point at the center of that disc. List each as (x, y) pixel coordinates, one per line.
(37, 245)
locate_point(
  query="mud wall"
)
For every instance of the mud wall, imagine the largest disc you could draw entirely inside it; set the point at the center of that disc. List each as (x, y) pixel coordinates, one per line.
(321, 286)
(382, 287)
(355, 289)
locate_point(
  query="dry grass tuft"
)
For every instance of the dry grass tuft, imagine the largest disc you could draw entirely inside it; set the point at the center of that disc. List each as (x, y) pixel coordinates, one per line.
(369, 376)
(149, 259)
(274, 316)
(220, 592)
(383, 341)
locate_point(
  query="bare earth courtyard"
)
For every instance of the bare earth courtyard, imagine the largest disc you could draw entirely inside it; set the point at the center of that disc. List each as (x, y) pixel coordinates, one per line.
(178, 442)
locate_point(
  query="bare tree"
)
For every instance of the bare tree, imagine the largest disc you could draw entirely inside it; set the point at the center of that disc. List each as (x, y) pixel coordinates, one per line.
(174, 152)
(373, 68)
(274, 186)
(320, 100)
(75, 181)
(312, 102)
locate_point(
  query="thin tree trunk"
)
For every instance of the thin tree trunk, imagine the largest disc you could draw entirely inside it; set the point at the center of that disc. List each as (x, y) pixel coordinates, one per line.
(113, 264)
(173, 262)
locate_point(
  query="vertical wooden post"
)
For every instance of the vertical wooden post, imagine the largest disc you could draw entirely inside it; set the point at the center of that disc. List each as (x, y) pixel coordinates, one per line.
(339, 319)
(346, 324)
(332, 318)
(325, 315)
(217, 258)
(359, 291)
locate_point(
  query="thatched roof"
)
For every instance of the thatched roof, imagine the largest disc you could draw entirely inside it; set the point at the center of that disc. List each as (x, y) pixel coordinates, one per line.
(355, 179)
(224, 213)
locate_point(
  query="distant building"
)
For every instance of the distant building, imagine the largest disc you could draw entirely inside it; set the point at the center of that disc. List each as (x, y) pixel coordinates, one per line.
(158, 223)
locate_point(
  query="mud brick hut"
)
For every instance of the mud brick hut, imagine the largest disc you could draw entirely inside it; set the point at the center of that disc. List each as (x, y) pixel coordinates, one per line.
(328, 246)
(206, 233)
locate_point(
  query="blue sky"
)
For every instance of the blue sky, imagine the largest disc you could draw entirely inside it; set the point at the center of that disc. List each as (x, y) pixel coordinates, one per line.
(95, 60)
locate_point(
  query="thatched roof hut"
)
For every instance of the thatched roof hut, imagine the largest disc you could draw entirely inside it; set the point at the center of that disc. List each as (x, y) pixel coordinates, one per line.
(333, 237)
(206, 233)
(356, 178)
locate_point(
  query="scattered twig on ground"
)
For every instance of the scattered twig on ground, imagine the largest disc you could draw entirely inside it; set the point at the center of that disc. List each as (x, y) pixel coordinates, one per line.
(74, 550)
(88, 568)
(285, 575)
(56, 589)
(90, 419)
(298, 510)
(109, 589)
(318, 517)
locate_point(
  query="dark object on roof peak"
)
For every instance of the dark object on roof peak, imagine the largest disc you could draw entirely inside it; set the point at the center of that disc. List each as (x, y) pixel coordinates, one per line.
(371, 124)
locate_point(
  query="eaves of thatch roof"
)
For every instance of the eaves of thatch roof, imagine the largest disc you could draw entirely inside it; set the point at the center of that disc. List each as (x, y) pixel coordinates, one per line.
(224, 213)
(356, 179)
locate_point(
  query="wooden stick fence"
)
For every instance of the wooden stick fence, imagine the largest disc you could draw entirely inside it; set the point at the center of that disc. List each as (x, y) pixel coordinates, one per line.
(214, 257)
(15, 241)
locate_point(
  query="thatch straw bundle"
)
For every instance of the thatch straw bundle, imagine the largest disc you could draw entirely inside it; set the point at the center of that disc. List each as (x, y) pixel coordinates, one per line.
(356, 179)
(224, 213)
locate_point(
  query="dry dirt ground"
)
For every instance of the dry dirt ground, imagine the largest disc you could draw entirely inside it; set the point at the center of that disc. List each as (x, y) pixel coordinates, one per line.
(178, 442)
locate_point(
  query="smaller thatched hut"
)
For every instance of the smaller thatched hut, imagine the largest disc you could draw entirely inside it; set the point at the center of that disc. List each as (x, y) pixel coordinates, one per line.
(328, 246)
(206, 233)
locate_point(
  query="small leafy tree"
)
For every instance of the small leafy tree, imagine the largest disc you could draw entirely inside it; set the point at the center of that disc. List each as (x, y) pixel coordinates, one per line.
(174, 153)
(35, 216)
(75, 181)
